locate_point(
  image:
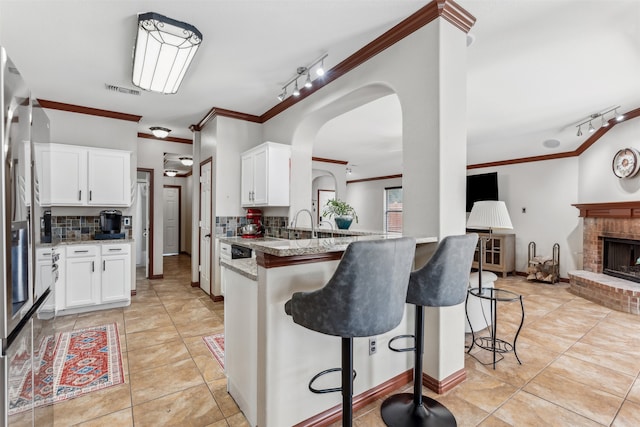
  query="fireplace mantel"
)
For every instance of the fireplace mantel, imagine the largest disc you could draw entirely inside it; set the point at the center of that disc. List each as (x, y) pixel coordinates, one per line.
(609, 210)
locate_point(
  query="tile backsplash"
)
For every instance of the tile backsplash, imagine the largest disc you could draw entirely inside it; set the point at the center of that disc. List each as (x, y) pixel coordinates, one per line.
(229, 226)
(74, 228)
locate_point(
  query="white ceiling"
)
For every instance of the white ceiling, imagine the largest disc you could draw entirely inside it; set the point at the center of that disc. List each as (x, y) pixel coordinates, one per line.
(536, 68)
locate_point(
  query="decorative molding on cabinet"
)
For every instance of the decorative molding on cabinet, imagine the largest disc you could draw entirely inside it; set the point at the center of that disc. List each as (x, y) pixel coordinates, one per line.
(53, 105)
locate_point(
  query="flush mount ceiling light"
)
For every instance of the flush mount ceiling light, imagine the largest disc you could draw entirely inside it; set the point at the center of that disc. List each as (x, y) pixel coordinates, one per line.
(604, 122)
(187, 161)
(171, 172)
(159, 132)
(163, 51)
(318, 65)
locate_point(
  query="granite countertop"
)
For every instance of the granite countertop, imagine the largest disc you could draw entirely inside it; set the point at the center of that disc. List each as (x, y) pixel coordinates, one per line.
(338, 231)
(244, 266)
(87, 242)
(284, 247)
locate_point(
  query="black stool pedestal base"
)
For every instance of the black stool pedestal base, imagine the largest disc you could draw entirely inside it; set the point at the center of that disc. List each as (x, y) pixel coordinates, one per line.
(400, 410)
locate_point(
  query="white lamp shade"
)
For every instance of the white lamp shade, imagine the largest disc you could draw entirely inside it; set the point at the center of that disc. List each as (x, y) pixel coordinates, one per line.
(164, 50)
(187, 161)
(489, 214)
(160, 132)
(171, 173)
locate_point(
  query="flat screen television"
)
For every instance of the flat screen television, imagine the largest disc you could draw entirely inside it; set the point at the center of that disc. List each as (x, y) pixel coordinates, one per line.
(481, 187)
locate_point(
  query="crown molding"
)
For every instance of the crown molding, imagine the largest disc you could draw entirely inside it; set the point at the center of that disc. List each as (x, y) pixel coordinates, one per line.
(376, 178)
(217, 111)
(447, 9)
(167, 139)
(53, 105)
(337, 162)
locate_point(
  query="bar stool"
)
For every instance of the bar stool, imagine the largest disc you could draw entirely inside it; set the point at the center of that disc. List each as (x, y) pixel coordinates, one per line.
(442, 282)
(364, 297)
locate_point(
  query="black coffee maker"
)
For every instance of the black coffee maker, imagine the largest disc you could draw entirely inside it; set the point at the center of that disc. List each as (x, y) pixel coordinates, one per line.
(110, 225)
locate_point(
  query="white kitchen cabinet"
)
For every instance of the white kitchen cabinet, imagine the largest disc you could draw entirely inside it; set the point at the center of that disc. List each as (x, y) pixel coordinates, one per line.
(94, 277)
(116, 273)
(44, 274)
(265, 175)
(83, 176)
(82, 276)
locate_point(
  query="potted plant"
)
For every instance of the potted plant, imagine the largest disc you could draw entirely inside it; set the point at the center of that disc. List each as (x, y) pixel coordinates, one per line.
(342, 212)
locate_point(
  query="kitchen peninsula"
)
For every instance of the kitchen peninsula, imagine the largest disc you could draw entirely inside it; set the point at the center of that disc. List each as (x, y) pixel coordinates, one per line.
(269, 360)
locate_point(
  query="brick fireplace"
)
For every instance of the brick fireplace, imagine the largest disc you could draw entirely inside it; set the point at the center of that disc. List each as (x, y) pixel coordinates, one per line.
(614, 220)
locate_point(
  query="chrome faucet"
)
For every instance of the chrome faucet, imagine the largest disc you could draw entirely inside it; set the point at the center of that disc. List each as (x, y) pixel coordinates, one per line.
(322, 221)
(314, 235)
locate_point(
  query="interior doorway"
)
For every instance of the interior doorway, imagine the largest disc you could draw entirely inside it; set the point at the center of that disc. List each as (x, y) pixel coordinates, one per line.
(143, 223)
(172, 198)
(206, 182)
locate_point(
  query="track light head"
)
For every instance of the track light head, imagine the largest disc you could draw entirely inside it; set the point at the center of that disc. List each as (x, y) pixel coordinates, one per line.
(605, 122)
(619, 117)
(296, 91)
(320, 69)
(579, 131)
(308, 83)
(591, 128)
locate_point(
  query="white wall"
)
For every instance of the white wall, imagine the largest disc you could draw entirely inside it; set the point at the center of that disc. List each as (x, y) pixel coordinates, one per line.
(597, 183)
(151, 156)
(367, 198)
(93, 131)
(546, 190)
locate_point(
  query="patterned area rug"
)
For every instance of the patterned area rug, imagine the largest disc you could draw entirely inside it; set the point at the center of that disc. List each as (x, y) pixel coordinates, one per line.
(68, 365)
(215, 343)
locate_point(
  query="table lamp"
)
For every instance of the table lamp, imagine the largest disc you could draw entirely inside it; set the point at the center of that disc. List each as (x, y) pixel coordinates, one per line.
(488, 215)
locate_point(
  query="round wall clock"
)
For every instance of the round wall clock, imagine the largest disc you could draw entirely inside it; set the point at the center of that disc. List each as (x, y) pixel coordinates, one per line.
(626, 163)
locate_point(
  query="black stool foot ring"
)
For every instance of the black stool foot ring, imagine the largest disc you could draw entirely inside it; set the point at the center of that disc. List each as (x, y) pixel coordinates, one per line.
(400, 411)
(326, 390)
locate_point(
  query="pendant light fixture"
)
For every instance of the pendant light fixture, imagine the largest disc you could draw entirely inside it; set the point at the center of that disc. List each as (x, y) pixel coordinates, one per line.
(163, 51)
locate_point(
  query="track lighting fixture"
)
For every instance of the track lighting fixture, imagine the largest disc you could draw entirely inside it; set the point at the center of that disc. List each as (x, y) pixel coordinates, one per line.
(604, 122)
(318, 65)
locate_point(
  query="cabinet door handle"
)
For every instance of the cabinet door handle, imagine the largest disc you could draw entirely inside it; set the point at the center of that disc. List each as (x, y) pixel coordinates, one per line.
(93, 266)
(81, 252)
(104, 265)
(79, 194)
(90, 195)
(115, 249)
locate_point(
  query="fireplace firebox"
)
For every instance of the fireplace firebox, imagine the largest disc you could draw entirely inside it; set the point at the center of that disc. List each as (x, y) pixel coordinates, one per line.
(621, 258)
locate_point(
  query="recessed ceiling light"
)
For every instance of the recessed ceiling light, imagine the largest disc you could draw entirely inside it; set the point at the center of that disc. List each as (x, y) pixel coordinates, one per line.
(551, 143)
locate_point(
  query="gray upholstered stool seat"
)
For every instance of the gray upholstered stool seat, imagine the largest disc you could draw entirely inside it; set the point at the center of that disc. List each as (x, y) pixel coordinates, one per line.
(364, 297)
(442, 282)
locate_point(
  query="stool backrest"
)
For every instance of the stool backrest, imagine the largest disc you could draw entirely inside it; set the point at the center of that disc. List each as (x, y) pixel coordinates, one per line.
(366, 294)
(444, 279)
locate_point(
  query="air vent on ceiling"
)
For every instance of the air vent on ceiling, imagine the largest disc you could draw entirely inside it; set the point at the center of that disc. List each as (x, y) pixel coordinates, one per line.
(124, 90)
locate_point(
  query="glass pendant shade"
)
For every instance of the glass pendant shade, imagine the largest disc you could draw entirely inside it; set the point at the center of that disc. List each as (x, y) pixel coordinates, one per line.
(164, 49)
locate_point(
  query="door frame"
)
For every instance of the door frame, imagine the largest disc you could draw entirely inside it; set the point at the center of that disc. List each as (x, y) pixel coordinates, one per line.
(151, 224)
(211, 277)
(179, 187)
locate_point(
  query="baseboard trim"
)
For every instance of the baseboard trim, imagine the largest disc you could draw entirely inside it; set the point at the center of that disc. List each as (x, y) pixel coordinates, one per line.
(156, 276)
(195, 284)
(334, 414)
(446, 384)
(217, 298)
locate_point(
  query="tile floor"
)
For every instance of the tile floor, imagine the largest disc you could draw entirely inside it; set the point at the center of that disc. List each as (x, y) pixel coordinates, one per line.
(580, 364)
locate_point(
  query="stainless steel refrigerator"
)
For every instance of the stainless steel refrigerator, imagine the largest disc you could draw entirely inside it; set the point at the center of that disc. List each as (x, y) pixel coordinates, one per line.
(26, 317)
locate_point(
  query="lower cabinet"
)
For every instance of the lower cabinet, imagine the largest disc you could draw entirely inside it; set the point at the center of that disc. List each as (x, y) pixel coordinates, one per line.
(94, 277)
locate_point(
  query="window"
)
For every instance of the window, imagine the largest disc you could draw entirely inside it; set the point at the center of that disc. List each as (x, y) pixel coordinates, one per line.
(393, 210)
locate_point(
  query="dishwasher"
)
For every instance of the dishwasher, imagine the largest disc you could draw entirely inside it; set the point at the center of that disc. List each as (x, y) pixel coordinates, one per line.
(230, 252)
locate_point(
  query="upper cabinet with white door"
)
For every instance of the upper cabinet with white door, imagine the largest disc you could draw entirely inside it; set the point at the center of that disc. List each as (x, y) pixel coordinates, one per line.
(83, 176)
(265, 175)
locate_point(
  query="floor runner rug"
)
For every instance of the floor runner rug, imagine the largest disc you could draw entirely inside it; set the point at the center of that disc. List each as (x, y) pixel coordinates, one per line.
(68, 365)
(215, 343)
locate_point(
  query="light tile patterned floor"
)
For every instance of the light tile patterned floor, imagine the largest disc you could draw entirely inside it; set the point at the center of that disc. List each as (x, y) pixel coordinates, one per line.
(580, 364)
